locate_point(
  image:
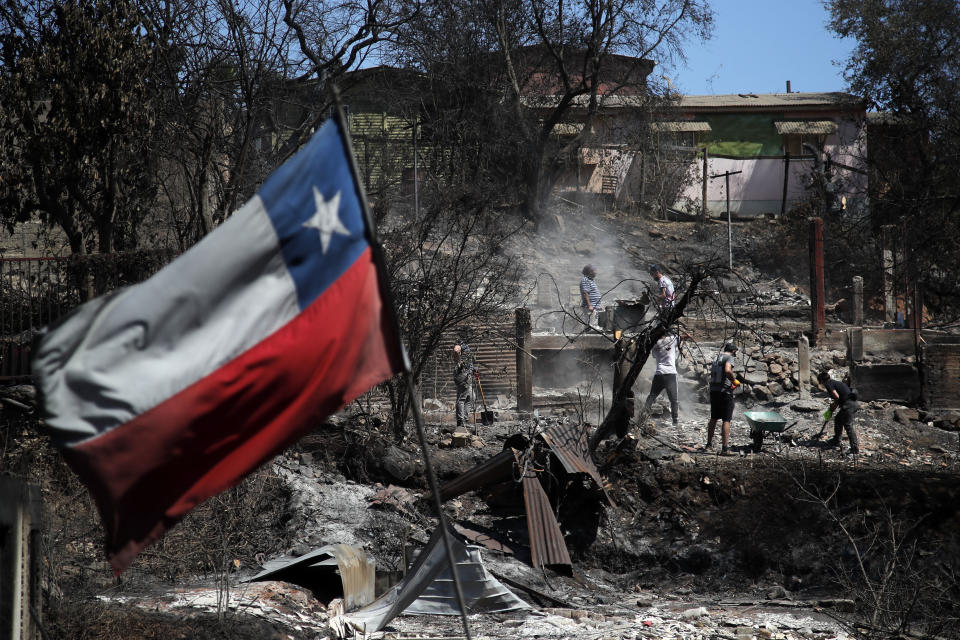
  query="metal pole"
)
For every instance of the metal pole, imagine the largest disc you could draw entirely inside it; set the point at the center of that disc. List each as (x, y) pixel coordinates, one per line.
(703, 209)
(391, 309)
(818, 316)
(416, 173)
(729, 224)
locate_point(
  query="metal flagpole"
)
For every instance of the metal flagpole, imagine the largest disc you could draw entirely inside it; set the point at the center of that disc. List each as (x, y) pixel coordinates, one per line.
(381, 265)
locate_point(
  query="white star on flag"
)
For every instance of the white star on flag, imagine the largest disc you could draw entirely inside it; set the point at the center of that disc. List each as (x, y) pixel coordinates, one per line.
(326, 220)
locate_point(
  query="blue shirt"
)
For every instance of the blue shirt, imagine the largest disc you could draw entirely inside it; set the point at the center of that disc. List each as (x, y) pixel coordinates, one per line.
(589, 287)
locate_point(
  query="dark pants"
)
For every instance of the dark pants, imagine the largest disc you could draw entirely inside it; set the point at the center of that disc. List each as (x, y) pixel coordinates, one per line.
(844, 421)
(464, 405)
(668, 382)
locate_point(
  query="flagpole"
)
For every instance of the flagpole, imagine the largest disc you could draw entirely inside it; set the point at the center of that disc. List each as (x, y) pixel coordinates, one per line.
(381, 266)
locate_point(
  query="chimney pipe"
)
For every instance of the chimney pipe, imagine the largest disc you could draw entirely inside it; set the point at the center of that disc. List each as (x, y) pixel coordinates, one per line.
(788, 86)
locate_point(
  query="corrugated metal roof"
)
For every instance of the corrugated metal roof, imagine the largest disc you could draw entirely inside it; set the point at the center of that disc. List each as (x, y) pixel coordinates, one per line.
(680, 126)
(836, 99)
(428, 589)
(567, 128)
(355, 568)
(811, 127)
(547, 546)
(569, 443)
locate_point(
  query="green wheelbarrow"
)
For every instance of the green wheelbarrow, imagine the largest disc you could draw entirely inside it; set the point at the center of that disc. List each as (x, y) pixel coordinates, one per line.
(763, 424)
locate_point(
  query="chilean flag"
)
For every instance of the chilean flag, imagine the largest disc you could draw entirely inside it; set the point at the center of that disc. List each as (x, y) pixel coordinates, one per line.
(163, 394)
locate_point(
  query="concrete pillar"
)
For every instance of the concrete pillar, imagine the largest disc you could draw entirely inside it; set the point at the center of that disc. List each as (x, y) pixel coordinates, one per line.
(857, 312)
(854, 345)
(524, 331)
(803, 366)
(20, 527)
(889, 277)
(818, 315)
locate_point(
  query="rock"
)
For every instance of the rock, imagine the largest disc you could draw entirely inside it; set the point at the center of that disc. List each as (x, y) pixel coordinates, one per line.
(476, 442)
(585, 247)
(400, 464)
(685, 459)
(906, 415)
(761, 392)
(306, 459)
(787, 384)
(460, 439)
(775, 389)
(778, 593)
(807, 405)
(432, 404)
(775, 369)
(693, 614)
(840, 604)
(948, 421)
(947, 424)
(755, 377)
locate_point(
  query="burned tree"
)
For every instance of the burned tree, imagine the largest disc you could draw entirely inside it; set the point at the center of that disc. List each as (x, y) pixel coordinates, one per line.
(546, 74)
(635, 351)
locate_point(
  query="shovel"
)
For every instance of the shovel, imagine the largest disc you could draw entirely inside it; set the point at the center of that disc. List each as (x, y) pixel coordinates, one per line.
(486, 416)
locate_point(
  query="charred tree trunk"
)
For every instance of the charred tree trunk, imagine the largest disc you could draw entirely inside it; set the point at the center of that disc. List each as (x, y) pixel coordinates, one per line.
(618, 417)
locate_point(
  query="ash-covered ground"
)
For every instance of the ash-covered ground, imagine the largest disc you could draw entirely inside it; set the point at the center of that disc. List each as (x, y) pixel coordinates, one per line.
(799, 540)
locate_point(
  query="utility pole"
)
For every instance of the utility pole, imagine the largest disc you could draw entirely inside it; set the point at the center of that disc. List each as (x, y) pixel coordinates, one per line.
(726, 175)
(703, 209)
(818, 316)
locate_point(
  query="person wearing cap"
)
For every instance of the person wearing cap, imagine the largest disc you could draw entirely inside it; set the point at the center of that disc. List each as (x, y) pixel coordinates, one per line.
(723, 382)
(462, 370)
(590, 296)
(666, 297)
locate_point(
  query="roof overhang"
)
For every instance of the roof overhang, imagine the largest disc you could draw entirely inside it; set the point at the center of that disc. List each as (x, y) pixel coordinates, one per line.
(806, 127)
(680, 127)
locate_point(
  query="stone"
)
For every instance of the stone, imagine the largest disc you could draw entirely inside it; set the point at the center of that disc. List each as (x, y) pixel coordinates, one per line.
(400, 464)
(775, 369)
(693, 614)
(948, 422)
(755, 377)
(787, 384)
(808, 405)
(585, 247)
(778, 593)
(761, 392)
(460, 439)
(905, 415)
(432, 404)
(775, 389)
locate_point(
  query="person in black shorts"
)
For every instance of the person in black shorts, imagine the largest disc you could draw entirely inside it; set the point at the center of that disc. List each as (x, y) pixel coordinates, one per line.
(723, 382)
(843, 397)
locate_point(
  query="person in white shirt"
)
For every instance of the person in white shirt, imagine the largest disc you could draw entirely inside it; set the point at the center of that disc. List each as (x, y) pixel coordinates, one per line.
(667, 294)
(665, 351)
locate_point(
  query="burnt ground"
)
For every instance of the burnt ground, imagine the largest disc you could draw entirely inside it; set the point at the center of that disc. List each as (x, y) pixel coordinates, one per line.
(799, 541)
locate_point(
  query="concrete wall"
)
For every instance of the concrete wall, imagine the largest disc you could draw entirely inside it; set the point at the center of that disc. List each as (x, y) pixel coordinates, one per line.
(894, 382)
(941, 376)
